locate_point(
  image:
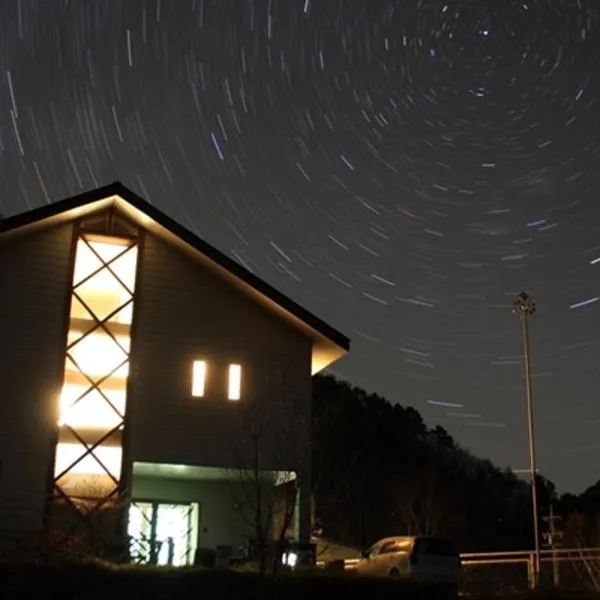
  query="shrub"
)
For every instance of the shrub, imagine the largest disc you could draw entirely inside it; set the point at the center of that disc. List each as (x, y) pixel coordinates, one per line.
(94, 580)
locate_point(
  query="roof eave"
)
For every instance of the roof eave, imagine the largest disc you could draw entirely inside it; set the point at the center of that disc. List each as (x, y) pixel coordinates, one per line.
(324, 354)
(329, 345)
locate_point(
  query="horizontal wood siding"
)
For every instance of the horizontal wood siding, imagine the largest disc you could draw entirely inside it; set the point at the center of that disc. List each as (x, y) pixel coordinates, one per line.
(183, 313)
(34, 275)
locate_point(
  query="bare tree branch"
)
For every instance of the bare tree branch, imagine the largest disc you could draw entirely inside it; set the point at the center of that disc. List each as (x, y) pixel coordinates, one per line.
(270, 454)
(422, 505)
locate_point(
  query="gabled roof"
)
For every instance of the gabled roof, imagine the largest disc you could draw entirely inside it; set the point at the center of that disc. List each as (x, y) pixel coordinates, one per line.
(328, 344)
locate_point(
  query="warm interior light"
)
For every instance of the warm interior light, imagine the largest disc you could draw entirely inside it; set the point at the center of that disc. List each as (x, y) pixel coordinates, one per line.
(82, 407)
(198, 378)
(235, 382)
(102, 304)
(103, 284)
(97, 353)
(86, 262)
(104, 293)
(67, 454)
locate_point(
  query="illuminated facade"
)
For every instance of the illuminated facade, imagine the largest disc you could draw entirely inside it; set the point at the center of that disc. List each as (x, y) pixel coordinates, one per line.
(150, 349)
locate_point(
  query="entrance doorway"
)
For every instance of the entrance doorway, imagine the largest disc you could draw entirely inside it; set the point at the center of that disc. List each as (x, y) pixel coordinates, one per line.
(162, 533)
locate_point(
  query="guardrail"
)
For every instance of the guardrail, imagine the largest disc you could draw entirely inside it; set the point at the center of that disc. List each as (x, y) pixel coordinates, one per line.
(527, 557)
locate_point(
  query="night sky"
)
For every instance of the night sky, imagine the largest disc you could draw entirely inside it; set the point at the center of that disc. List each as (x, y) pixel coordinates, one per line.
(402, 169)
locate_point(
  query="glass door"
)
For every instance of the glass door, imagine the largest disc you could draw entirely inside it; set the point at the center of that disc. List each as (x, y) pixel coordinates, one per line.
(173, 532)
(161, 533)
(140, 528)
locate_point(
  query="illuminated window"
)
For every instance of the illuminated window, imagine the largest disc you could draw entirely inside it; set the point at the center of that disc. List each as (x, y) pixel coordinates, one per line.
(198, 378)
(234, 387)
(97, 354)
(98, 462)
(104, 278)
(85, 408)
(93, 398)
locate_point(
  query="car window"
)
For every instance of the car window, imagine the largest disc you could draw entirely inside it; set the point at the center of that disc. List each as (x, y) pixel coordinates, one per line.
(396, 546)
(373, 550)
(388, 548)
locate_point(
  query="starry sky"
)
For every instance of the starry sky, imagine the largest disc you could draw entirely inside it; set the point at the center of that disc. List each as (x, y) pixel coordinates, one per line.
(402, 168)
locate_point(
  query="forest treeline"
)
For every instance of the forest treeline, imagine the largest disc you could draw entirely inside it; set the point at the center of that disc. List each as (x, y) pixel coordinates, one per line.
(378, 470)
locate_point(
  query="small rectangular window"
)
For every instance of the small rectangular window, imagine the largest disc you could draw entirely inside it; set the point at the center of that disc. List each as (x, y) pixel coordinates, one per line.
(198, 378)
(234, 387)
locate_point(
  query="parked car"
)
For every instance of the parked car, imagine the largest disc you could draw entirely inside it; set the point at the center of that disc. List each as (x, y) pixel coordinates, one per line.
(427, 560)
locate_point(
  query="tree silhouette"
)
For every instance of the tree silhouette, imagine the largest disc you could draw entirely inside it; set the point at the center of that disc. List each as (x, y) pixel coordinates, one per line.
(407, 478)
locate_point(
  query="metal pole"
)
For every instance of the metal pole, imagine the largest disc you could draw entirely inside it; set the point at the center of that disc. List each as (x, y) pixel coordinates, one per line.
(530, 572)
(532, 461)
(553, 540)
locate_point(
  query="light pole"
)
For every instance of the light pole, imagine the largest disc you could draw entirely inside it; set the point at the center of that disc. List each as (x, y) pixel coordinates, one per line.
(523, 307)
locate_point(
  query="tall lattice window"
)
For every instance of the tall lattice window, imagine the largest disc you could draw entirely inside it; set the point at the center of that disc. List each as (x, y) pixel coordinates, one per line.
(93, 398)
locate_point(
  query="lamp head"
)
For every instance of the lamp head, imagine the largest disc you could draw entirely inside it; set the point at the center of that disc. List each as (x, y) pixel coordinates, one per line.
(524, 305)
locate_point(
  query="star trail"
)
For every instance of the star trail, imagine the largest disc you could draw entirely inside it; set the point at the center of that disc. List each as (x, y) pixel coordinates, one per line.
(403, 169)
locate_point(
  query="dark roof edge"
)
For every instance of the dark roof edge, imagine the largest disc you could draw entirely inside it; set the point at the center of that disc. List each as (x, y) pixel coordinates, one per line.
(118, 189)
(55, 208)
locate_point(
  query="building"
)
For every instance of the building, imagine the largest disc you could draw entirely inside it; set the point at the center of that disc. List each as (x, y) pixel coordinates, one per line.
(145, 378)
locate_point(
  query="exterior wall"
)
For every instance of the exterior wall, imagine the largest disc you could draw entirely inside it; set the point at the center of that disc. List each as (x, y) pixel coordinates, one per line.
(183, 313)
(34, 271)
(219, 524)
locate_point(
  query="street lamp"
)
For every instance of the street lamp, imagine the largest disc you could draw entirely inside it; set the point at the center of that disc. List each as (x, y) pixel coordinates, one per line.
(523, 307)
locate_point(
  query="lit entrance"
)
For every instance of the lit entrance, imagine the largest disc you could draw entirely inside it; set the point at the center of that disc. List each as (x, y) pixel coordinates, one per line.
(162, 533)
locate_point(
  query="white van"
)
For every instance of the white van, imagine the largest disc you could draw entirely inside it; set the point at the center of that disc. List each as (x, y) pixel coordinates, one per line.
(428, 560)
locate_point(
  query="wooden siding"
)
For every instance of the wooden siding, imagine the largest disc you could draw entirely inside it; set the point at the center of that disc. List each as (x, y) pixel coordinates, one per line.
(183, 312)
(34, 274)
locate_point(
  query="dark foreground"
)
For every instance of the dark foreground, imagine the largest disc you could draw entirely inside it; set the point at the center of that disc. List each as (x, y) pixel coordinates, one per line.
(95, 581)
